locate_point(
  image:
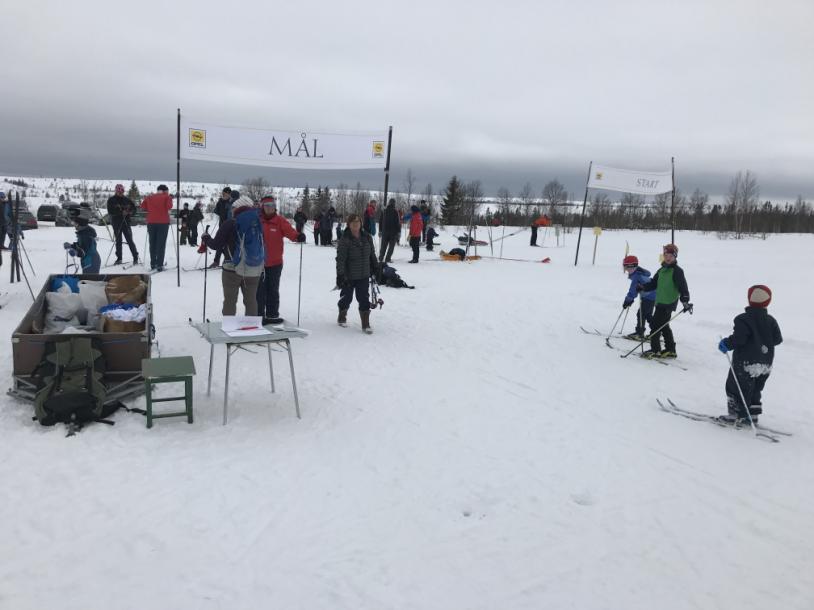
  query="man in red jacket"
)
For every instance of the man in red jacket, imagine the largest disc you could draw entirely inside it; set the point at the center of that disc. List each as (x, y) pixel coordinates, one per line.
(158, 206)
(275, 227)
(416, 228)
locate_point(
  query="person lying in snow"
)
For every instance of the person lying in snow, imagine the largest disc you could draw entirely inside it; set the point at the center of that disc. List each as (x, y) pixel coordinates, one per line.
(752, 342)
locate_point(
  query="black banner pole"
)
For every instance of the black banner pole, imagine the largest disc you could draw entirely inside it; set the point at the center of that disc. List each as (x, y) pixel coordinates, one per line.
(582, 217)
(383, 204)
(178, 199)
(673, 205)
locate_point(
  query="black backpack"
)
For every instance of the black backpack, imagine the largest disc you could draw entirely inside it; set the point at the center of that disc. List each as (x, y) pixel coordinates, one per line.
(71, 388)
(389, 277)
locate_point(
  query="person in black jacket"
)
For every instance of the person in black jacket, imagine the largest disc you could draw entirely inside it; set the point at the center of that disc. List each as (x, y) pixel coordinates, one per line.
(183, 216)
(120, 210)
(223, 210)
(299, 219)
(195, 218)
(391, 228)
(355, 265)
(752, 342)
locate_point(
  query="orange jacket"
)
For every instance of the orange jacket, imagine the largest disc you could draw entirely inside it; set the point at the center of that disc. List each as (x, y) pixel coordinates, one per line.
(158, 206)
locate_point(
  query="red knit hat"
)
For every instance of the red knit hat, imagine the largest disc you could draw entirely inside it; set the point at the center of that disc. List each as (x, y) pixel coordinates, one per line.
(759, 296)
(630, 261)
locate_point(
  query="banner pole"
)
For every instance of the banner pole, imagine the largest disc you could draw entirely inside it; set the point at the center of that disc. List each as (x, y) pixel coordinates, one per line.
(673, 205)
(178, 199)
(582, 216)
(383, 204)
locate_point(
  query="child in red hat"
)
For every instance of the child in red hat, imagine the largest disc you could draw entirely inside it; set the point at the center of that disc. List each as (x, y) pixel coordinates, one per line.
(752, 343)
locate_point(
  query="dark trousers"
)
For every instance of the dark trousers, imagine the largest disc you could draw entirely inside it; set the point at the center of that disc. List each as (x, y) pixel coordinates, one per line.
(533, 236)
(661, 316)
(158, 244)
(386, 248)
(414, 243)
(316, 237)
(645, 314)
(360, 288)
(2, 234)
(184, 235)
(752, 388)
(326, 238)
(268, 292)
(219, 253)
(299, 226)
(92, 263)
(121, 228)
(193, 235)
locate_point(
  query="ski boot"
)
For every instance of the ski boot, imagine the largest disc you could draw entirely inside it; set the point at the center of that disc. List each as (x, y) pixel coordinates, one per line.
(636, 337)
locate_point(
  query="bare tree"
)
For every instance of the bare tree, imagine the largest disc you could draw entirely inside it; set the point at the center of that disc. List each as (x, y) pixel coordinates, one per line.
(255, 188)
(526, 195)
(554, 194)
(742, 198)
(504, 196)
(409, 184)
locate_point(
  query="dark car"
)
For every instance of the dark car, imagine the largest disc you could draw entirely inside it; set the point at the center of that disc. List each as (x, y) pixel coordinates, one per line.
(47, 212)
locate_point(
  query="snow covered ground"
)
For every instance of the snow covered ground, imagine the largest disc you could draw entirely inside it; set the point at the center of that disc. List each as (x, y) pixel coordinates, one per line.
(476, 452)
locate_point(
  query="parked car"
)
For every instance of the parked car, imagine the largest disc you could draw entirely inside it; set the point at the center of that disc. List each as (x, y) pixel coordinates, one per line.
(47, 212)
(27, 221)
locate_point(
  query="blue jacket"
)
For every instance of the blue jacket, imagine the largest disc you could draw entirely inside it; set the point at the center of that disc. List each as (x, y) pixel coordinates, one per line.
(640, 276)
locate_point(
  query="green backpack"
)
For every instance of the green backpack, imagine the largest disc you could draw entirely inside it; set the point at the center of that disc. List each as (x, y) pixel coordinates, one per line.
(72, 390)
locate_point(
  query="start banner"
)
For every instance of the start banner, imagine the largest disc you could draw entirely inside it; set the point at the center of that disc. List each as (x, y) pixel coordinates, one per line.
(630, 181)
(293, 149)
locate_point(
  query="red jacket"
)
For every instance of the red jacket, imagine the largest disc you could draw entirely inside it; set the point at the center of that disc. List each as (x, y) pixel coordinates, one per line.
(158, 206)
(274, 229)
(416, 224)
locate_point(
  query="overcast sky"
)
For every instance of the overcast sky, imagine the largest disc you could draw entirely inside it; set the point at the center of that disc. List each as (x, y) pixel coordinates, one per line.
(505, 92)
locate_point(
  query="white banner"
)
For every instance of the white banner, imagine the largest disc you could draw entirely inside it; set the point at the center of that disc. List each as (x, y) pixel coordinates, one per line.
(297, 149)
(630, 181)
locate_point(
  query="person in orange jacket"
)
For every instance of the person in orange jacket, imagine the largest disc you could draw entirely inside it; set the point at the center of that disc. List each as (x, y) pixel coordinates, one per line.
(542, 221)
(275, 227)
(158, 206)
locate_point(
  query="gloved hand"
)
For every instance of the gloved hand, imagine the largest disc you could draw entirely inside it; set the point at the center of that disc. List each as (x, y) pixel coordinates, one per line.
(72, 252)
(301, 238)
(627, 303)
(202, 247)
(723, 346)
(686, 306)
(341, 281)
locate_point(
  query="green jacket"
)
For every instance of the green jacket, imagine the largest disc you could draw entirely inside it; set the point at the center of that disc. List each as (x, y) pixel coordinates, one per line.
(670, 285)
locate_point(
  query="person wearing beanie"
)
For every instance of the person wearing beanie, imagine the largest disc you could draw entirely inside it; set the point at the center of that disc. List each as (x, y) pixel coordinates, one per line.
(355, 265)
(391, 228)
(240, 238)
(85, 245)
(275, 228)
(647, 300)
(416, 228)
(370, 218)
(670, 286)
(752, 343)
(119, 210)
(158, 206)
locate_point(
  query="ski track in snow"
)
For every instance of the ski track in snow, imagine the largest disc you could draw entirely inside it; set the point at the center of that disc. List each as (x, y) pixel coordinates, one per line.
(477, 451)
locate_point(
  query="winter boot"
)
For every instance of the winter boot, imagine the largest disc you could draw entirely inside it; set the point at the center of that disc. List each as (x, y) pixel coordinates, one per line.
(668, 353)
(272, 321)
(118, 261)
(636, 337)
(365, 315)
(342, 320)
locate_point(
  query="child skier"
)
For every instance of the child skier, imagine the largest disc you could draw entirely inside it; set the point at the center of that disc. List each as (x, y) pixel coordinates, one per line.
(85, 246)
(639, 275)
(670, 286)
(753, 341)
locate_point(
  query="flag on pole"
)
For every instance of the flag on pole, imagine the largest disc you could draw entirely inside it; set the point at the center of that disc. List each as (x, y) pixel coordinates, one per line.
(295, 149)
(630, 181)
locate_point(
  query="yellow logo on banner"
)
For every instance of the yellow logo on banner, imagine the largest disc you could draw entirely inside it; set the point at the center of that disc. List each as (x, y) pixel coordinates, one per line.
(599, 175)
(197, 138)
(378, 150)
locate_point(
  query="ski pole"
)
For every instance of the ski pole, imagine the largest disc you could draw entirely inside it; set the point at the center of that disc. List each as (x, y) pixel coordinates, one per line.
(607, 339)
(743, 400)
(622, 330)
(206, 266)
(299, 289)
(643, 341)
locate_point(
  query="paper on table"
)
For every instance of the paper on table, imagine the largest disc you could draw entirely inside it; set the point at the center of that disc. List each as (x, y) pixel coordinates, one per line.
(244, 326)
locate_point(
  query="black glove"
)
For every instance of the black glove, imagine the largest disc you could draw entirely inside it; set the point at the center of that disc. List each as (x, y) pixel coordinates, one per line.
(301, 238)
(66, 245)
(627, 303)
(341, 281)
(686, 307)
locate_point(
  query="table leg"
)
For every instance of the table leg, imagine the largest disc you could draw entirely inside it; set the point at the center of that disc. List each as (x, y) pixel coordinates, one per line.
(226, 389)
(293, 379)
(211, 356)
(271, 367)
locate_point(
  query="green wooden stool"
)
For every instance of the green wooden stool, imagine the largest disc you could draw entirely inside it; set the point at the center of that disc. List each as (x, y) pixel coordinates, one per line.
(168, 370)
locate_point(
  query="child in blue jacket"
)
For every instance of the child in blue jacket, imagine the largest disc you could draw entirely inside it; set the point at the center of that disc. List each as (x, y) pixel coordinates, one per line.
(639, 275)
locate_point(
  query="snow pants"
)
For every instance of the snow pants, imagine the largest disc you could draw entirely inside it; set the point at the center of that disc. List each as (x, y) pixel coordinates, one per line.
(386, 249)
(158, 243)
(346, 296)
(662, 316)
(752, 388)
(645, 314)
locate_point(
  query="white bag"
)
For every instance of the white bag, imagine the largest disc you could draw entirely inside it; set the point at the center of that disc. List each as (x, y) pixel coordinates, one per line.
(61, 310)
(93, 299)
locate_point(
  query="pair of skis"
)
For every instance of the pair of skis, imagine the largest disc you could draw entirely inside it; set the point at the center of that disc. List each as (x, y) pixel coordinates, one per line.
(761, 431)
(612, 346)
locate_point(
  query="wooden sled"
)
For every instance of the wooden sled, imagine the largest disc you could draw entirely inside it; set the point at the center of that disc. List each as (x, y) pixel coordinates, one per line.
(454, 257)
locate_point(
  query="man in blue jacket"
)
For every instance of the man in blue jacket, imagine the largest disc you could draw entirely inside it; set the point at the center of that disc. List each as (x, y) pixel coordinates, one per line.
(639, 275)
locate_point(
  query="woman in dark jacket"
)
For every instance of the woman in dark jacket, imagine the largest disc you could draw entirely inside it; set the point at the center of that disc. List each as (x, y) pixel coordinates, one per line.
(355, 265)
